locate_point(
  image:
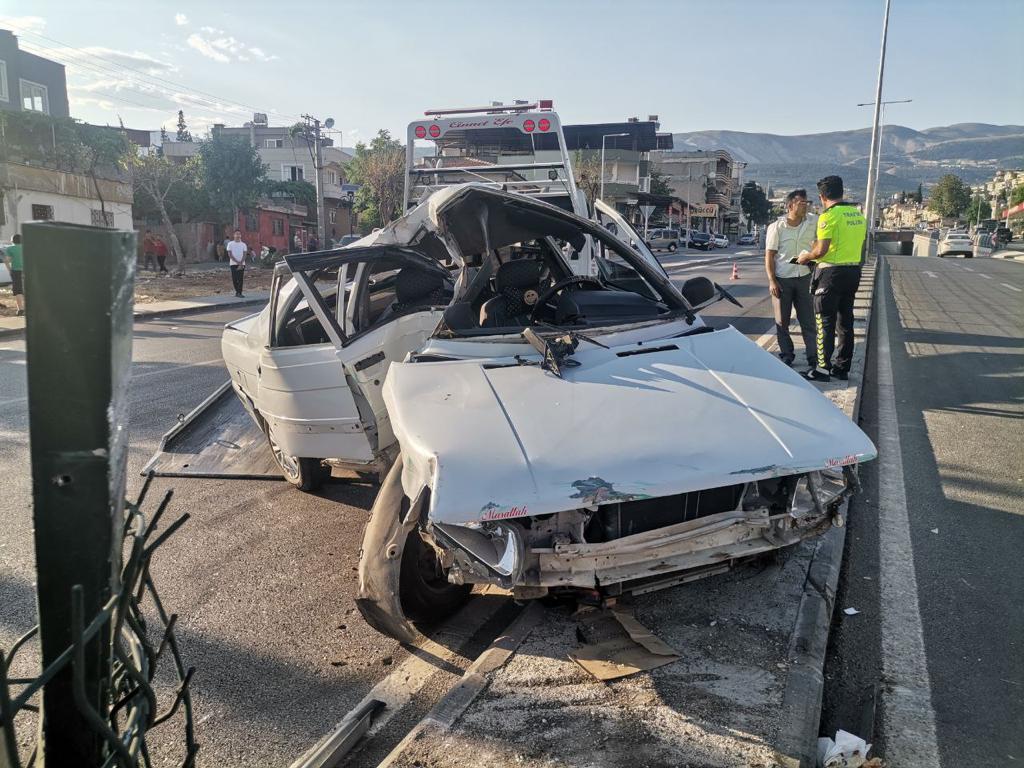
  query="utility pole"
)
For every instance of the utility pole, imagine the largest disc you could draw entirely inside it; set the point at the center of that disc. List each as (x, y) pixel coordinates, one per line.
(318, 167)
(869, 201)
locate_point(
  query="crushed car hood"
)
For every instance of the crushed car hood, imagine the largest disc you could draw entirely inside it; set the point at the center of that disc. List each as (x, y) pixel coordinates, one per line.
(494, 440)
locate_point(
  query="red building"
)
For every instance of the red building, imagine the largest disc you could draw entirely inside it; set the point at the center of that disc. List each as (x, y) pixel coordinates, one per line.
(273, 224)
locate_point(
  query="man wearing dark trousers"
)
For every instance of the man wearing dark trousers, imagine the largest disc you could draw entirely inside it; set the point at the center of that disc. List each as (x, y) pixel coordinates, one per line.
(788, 282)
(237, 251)
(838, 253)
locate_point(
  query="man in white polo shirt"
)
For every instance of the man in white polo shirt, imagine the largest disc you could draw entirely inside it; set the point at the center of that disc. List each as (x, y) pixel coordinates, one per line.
(237, 251)
(789, 282)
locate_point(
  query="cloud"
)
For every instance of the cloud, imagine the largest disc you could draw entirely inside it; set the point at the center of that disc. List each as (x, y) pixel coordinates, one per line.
(180, 19)
(23, 23)
(97, 57)
(206, 49)
(218, 45)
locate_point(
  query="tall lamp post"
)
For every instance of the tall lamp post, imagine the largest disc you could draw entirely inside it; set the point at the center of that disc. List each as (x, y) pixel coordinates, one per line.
(606, 136)
(313, 126)
(869, 202)
(869, 205)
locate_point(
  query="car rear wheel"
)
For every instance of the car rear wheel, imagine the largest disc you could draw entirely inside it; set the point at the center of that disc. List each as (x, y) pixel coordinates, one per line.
(304, 473)
(672, 246)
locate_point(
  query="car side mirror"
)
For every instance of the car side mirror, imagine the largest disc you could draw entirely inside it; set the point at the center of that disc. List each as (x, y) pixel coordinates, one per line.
(698, 291)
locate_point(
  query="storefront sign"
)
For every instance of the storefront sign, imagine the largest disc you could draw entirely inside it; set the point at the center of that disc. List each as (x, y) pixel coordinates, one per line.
(708, 211)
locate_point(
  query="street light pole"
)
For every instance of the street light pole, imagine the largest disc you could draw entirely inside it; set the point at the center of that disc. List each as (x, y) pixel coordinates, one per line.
(606, 136)
(869, 202)
(318, 163)
(878, 152)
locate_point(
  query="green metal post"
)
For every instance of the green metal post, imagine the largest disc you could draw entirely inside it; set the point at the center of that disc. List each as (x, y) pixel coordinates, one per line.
(78, 300)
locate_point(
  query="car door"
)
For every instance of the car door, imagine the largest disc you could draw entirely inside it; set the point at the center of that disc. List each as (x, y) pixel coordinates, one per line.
(303, 398)
(377, 320)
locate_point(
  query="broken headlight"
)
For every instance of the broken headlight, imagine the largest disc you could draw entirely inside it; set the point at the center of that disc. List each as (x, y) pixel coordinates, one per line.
(493, 551)
(817, 493)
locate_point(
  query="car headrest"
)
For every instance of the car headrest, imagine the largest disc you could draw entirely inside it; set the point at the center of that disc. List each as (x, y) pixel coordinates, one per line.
(414, 284)
(524, 273)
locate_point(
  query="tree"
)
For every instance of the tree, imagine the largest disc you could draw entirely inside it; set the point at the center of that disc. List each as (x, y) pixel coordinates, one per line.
(972, 210)
(102, 149)
(659, 183)
(379, 169)
(755, 203)
(183, 133)
(1017, 196)
(587, 169)
(155, 178)
(950, 197)
(920, 195)
(232, 174)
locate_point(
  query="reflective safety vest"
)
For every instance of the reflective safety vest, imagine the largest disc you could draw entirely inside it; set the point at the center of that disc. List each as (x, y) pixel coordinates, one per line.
(846, 229)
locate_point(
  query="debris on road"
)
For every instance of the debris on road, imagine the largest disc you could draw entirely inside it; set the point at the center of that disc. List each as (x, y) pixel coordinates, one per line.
(845, 751)
(850, 611)
(618, 645)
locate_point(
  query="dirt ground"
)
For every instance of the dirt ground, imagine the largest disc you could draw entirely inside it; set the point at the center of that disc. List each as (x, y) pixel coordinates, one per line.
(204, 280)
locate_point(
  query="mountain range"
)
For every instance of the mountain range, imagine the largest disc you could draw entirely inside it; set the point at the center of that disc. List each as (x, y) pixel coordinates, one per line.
(973, 151)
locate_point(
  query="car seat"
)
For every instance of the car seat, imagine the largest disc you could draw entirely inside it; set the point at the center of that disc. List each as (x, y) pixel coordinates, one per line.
(514, 282)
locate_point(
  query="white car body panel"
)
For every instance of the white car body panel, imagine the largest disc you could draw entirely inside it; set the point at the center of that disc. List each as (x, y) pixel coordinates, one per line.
(503, 442)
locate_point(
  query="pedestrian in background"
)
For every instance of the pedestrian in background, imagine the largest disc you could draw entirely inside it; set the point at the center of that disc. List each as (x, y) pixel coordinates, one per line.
(237, 251)
(160, 248)
(314, 244)
(838, 253)
(15, 265)
(149, 251)
(296, 243)
(789, 282)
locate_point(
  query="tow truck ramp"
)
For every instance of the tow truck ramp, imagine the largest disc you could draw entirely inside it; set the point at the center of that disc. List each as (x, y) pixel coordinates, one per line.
(217, 439)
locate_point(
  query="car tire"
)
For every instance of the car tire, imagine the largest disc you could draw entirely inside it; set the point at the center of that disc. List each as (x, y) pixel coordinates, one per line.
(672, 246)
(306, 474)
(426, 594)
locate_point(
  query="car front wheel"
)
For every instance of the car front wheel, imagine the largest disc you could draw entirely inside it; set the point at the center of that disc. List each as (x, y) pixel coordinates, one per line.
(672, 246)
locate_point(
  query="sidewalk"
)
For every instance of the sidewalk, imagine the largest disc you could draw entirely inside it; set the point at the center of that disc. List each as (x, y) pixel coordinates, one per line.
(13, 327)
(745, 692)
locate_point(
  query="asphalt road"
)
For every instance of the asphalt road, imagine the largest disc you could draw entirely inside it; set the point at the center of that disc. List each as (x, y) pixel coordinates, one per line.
(935, 654)
(262, 576)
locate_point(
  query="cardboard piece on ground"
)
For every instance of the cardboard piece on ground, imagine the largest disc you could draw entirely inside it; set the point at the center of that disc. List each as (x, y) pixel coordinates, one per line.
(633, 648)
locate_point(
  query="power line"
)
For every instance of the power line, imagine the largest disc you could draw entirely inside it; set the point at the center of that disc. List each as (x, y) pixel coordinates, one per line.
(219, 103)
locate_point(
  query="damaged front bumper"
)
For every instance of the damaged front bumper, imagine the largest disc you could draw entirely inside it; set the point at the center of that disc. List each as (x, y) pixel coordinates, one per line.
(532, 556)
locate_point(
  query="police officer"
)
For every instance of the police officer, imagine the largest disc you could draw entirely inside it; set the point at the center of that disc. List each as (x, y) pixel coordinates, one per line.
(838, 253)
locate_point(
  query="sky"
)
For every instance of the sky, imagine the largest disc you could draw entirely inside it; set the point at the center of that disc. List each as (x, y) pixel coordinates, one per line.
(772, 66)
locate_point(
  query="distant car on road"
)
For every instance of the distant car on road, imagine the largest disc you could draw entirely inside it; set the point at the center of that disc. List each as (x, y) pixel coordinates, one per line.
(720, 241)
(956, 242)
(348, 240)
(663, 239)
(747, 238)
(700, 240)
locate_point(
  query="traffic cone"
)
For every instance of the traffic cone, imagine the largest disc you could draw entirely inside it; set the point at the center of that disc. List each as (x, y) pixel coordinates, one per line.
(735, 272)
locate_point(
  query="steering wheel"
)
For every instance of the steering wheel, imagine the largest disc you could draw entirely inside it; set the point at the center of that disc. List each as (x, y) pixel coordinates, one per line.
(559, 286)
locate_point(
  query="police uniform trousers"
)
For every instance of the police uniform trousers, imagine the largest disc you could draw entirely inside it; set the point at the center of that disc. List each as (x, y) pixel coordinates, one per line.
(833, 289)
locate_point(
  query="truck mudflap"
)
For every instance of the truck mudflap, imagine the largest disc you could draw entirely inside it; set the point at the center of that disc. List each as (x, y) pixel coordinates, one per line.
(217, 439)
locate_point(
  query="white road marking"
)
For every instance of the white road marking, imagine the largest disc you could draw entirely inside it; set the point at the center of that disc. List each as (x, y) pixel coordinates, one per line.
(931, 274)
(968, 269)
(1011, 287)
(987, 277)
(909, 726)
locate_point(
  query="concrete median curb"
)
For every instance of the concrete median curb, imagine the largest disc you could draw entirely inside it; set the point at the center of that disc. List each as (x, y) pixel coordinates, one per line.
(801, 701)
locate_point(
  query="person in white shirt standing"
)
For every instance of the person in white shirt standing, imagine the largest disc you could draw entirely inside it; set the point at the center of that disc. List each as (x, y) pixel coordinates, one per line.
(237, 251)
(789, 282)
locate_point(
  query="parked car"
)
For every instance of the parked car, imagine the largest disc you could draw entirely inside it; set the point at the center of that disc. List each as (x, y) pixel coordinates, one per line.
(747, 238)
(956, 242)
(346, 240)
(531, 417)
(1003, 235)
(700, 240)
(720, 241)
(663, 239)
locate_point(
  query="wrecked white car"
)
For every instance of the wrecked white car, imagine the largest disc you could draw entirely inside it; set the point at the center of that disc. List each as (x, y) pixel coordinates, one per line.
(547, 430)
